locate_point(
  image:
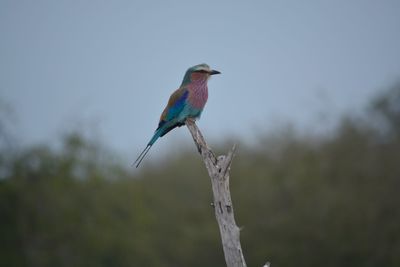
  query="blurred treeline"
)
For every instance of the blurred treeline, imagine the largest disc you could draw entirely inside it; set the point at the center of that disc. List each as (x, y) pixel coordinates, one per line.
(302, 200)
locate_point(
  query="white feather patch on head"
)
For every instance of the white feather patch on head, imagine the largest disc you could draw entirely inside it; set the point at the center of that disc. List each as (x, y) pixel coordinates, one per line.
(202, 67)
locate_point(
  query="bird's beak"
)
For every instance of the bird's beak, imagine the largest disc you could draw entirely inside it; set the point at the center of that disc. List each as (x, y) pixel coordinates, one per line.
(212, 72)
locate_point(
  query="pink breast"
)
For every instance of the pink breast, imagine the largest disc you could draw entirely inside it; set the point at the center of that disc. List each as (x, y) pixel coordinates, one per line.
(198, 95)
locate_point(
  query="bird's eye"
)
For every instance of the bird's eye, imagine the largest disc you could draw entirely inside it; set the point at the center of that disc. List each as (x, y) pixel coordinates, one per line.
(201, 71)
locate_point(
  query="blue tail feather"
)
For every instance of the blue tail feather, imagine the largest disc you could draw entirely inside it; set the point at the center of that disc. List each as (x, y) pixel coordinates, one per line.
(159, 132)
(156, 135)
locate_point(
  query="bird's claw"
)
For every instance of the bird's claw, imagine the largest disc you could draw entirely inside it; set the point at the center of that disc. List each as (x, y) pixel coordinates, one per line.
(190, 120)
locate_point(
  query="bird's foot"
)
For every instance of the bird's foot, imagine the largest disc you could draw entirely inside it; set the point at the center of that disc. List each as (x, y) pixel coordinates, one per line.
(190, 120)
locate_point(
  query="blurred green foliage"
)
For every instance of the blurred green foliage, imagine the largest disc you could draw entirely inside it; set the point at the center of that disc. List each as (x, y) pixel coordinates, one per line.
(301, 200)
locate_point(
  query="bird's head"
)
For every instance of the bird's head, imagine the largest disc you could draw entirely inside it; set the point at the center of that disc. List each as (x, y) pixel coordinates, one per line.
(201, 72)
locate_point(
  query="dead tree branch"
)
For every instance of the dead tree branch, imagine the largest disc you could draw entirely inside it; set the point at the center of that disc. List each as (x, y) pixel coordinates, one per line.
(218, 169)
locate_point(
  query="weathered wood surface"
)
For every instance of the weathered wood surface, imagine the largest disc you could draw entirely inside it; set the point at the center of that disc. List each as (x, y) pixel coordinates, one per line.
(218, 169)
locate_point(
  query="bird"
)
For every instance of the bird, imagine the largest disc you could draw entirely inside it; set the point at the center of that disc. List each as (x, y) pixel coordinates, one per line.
(187, 102)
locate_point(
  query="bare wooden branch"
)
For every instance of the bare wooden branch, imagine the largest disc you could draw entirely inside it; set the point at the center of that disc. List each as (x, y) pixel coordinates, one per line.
(218, 170)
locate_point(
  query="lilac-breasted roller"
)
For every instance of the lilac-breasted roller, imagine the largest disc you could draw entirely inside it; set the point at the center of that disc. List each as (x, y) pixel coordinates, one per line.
(187, 101)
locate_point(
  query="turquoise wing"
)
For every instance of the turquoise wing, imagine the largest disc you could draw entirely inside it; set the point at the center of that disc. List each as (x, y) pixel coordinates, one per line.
(175, 105)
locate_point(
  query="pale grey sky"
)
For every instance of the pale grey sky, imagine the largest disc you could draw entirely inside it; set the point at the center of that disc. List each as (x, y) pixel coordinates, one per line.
(115, 63)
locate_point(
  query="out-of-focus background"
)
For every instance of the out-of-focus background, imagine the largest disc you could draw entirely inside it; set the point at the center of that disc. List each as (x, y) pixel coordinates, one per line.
(309, 90)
